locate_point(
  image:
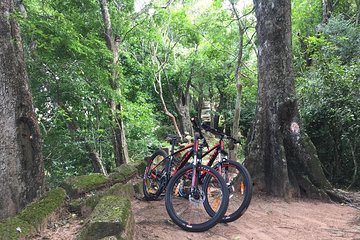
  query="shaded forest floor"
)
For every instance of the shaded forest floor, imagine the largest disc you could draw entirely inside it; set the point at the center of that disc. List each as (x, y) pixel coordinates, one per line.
(267, 218)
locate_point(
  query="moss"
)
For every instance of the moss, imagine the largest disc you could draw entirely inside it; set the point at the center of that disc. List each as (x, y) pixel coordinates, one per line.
(119, 189)
(109, 218)
(138, 188)
(81, 184)
(37, 212)
(112, 208)
(75, 186)
(129, 232)
(85, 206)
(75, 205)
(140, 166)
(14, 228)
(33, 216)
(123, 173)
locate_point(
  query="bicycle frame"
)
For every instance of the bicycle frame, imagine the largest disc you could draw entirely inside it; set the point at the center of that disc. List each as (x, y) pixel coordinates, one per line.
(216, 149)
(167, 173)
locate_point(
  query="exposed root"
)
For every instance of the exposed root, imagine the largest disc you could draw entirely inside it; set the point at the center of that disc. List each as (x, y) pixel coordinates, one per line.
(349, 198)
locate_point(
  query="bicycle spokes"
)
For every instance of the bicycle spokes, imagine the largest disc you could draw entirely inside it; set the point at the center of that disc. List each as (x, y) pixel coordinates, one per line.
(239, 185)
(155, 175)
(185, 201)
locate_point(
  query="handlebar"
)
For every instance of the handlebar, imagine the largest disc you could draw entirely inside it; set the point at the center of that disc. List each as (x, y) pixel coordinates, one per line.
(217, 132)
(207, 128)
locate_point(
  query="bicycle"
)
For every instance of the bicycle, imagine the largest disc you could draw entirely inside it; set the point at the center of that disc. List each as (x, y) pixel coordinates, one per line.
(236, 176)
(188, 198)
(161, 167)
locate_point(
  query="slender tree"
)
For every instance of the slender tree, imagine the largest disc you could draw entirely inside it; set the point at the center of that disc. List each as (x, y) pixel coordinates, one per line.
(236, 121)
(21, 162)
(160, 65)
(281, 158)
(118, 130)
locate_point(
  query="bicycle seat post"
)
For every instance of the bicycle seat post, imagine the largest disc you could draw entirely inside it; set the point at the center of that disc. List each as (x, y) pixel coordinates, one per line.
(173, 142)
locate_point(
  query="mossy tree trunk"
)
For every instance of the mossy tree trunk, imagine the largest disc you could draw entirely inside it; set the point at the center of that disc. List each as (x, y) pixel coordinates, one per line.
(21, 162)
(281, 158)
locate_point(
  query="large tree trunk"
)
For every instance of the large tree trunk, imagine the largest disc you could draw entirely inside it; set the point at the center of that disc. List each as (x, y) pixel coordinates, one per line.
(21, 162)
(118, 129)
(280, 157)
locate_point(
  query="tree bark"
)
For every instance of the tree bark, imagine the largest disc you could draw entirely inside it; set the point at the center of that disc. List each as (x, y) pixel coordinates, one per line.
(182, 105)
(327, 10)
(181, 100)
(21, 161)
(163, 103)
(236, 121)
(96, 160)
(198, 104)
(280, 157)
(118, 129)
(219, 109)
(357, 17)
(353, 156)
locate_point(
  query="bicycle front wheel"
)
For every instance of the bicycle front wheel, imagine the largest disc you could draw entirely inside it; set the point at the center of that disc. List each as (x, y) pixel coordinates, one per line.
(153, 181)
(239, 185)
(185, 203)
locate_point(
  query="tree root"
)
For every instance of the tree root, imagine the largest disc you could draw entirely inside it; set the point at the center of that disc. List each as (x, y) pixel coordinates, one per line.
(341, 196)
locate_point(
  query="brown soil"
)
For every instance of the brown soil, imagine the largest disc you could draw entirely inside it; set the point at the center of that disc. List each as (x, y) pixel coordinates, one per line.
(267, 218)
(65, 227)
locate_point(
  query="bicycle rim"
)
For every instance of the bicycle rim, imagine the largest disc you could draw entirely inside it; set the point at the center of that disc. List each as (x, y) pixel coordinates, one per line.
(239, 185)
(186, 207)
(153, 176)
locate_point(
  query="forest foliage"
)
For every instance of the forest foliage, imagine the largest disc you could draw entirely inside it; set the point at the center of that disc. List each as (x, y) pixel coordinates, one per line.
(188, 50)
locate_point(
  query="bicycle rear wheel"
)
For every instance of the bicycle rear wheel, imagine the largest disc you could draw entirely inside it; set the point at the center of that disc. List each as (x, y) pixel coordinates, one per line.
(186, 206)
(239, 184)
(153, 181)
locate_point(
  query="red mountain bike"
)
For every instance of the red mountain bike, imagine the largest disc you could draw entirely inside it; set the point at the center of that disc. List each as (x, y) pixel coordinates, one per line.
(161, 167)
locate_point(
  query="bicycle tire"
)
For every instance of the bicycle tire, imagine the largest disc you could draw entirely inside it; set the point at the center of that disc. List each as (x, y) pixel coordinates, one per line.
(239, 185)
(186, 208)
(153, 182)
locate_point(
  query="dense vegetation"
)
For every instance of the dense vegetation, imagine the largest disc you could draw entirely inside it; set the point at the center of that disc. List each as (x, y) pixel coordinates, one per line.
(178, 57)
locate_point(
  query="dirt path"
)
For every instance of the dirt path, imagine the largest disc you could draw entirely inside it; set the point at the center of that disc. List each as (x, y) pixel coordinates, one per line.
(266, 219)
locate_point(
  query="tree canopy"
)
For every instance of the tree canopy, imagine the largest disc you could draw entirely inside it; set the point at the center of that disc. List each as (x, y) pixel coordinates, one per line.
(179, 59)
